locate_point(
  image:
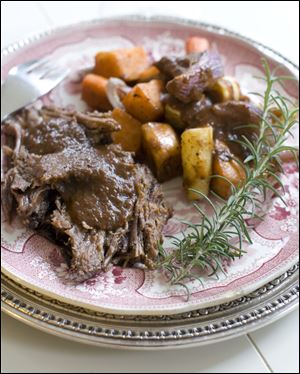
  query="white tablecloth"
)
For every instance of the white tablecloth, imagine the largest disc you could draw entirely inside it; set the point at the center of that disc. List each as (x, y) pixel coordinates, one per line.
(272, 349)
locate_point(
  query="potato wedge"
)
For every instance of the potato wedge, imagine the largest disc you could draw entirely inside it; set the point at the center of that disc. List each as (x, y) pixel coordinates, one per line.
(225, 166)
(127, 63)
(225, 89)
(130, 135)
(196, 151)
(144, 102)
(162, 148)
(174, 117)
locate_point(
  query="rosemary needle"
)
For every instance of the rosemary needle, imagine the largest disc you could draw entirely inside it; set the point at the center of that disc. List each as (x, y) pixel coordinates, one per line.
(207, 244)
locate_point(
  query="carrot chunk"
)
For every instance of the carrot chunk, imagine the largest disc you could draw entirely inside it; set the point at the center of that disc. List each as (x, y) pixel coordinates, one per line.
(94, 92)
(196, 44)
(125, 63)
(129, 137)
(144, 101)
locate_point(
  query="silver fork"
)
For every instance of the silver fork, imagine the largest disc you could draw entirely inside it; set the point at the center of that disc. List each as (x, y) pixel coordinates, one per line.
(27, 82)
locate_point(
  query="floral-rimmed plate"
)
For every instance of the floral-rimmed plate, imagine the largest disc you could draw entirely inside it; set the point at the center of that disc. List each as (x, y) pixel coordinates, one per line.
(33, 261)
(198, 327)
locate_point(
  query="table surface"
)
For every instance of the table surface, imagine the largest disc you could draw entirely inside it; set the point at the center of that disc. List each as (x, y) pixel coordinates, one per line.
(274, 348)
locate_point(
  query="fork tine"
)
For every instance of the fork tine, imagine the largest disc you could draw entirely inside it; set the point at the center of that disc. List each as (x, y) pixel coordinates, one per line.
(28, 64)
(42, 69)
(52, 72)
(33, 64)
(56, 74)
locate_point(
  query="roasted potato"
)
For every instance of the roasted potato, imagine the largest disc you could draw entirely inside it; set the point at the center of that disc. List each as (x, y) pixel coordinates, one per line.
(173, 116)
(150, 73)
(196, 151)
(162, 148)
(225, 89)
(130, 135)
(127, 63)
(94, 92)
(144, 101)
(225, 166)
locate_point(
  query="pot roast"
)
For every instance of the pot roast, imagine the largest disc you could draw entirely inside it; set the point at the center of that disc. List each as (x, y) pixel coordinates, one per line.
(66, 180)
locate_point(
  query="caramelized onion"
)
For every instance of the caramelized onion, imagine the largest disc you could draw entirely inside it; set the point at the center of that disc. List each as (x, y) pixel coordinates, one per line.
(116, 89)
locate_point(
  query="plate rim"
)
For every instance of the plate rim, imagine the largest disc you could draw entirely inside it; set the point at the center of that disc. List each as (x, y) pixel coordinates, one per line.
(13, 47)
(169, 310)
(34, 36)
(246, 314)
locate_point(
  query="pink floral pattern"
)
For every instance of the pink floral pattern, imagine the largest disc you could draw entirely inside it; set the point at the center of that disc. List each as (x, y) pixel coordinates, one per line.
(15, 236)
(286, 211)
(40, 264)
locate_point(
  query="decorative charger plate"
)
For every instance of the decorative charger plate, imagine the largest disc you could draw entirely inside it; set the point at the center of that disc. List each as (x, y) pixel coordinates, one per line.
(34, 270)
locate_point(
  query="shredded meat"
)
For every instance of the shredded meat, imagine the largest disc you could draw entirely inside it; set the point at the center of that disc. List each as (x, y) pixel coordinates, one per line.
(228, 120)
(223, 115)
(190, 75)
(67, 182)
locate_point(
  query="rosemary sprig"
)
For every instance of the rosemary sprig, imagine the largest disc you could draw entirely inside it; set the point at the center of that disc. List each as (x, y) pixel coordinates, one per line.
(207, 244)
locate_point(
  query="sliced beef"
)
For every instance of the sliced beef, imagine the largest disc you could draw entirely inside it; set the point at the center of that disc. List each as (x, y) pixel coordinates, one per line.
(18, 181)
(33, 206)
(59, 129)
(53, 136)
(87, 246)
(13, 132)
(98, 181)
(7, 198)
(147, 225)
(67, 183)
(91, 120)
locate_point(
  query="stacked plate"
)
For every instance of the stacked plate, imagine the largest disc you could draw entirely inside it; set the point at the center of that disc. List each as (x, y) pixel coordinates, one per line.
(134, 308)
